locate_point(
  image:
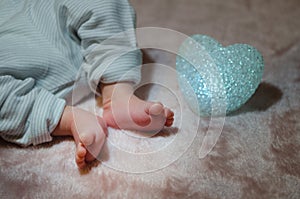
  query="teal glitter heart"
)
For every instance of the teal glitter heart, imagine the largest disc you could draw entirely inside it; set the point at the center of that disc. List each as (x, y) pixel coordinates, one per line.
(217, 80)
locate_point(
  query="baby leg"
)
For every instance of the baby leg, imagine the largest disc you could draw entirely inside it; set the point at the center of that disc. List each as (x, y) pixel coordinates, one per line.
(88, 130)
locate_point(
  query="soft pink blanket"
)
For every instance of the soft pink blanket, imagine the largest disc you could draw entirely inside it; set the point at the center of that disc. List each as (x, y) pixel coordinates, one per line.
(256, 156)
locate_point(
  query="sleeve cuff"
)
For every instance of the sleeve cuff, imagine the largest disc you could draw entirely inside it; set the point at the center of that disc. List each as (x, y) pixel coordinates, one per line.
(126, 67)
(46, 115)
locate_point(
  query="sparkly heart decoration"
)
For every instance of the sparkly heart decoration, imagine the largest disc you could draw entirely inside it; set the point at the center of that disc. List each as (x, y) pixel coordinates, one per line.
(217, 80)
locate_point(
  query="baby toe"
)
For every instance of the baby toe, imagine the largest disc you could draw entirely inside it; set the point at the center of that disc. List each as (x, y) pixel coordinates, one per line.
(169, 122)
(156, 109)
(80, 156)
(169, 114)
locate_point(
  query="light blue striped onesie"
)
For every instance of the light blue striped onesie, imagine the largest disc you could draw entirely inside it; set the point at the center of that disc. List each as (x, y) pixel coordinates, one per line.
(43, 46)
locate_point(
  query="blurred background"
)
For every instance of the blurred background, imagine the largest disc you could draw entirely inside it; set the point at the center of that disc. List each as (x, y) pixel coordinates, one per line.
(272, 26)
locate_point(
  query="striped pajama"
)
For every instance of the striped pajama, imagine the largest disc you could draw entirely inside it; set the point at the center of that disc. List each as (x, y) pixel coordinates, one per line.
(45, 44)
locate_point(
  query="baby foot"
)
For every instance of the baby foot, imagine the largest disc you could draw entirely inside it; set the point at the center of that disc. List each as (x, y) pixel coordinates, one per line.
(126, 111)
(89, 132)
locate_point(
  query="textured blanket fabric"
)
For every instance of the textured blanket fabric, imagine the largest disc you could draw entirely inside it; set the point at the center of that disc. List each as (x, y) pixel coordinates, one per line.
(256, 156)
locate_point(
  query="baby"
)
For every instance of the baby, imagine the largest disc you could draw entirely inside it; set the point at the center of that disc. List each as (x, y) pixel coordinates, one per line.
(45, 44)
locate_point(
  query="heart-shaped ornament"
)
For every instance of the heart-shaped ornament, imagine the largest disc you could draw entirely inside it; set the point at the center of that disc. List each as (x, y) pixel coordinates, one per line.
(217, 80)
